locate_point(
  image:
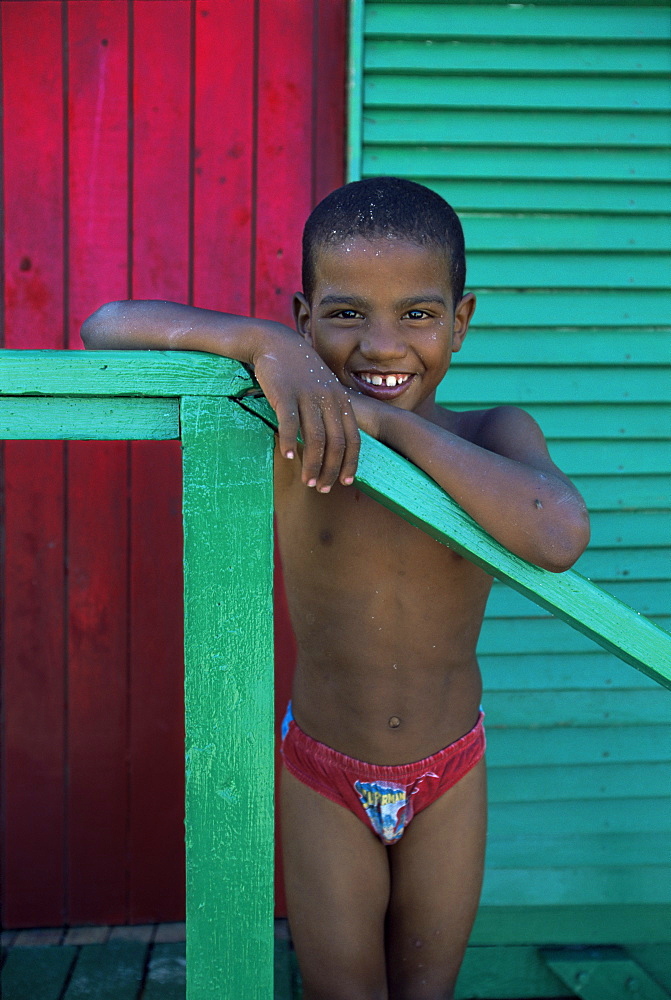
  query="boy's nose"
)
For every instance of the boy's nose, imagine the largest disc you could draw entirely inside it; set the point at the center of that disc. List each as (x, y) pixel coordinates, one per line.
(382, 344)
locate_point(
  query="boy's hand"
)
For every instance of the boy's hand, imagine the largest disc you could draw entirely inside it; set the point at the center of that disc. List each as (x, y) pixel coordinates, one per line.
(307, 397)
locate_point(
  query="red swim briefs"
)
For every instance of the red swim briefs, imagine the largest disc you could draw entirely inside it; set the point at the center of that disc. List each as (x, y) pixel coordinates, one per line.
(385, 798)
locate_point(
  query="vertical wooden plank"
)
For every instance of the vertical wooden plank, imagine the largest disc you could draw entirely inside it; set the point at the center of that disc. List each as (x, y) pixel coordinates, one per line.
(32, 754)
(160, 263)
(223, 154)
(330, 61)
(229, 700)
(97, 488)
(284, 141)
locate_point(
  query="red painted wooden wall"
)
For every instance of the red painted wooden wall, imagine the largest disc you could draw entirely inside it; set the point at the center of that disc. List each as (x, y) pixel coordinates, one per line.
(150, 149)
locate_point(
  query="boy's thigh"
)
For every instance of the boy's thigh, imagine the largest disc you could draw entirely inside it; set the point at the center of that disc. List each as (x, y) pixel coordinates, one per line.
(336, 876)
(436, 878)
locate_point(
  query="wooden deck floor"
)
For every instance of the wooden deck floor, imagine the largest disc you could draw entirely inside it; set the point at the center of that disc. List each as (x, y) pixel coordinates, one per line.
(148, 963)
(113, 963)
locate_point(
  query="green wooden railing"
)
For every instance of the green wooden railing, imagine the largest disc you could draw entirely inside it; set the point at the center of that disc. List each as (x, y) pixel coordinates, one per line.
(227, 445)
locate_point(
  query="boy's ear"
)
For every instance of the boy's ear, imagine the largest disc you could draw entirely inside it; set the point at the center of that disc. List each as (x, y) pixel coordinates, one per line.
(302, 315)
(463, 315)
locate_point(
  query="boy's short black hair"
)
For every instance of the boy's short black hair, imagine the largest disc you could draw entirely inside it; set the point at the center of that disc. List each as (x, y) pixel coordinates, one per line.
(386, 206)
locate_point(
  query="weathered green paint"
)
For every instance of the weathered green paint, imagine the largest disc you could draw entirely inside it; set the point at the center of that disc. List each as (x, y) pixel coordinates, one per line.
(119, 373)
(229, 700)
(88, 418)
(602, 974)
(390, 479)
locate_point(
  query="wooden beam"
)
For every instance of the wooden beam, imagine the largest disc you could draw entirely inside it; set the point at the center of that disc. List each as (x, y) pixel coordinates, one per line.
(90, 418)
(228, 626)
(120, 373)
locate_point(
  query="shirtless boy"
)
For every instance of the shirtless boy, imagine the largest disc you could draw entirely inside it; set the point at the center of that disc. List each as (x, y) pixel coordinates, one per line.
(383, 859)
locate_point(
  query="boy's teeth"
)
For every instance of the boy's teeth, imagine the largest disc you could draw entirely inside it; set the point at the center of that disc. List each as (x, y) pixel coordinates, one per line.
(389, 380)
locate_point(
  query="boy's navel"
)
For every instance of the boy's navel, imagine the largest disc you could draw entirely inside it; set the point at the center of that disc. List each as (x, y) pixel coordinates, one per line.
(394, 722)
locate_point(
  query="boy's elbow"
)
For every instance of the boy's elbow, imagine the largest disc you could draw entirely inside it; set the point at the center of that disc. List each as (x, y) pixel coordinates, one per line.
(569, 545)
(97, 331)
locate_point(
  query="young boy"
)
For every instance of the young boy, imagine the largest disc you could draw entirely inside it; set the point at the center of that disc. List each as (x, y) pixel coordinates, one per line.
(383, 790)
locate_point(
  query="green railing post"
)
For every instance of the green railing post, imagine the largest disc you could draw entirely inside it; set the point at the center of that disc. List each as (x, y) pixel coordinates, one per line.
(228, 625)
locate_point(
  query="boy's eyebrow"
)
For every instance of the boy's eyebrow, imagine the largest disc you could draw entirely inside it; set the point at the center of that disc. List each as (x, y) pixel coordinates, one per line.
(348, 300)
(414, 300)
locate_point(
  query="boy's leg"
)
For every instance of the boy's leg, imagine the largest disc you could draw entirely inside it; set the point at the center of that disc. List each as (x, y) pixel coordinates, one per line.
(436, 877)
(337, 883)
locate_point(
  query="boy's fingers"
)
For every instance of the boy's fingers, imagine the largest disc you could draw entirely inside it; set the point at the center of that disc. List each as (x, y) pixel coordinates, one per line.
(342, 444)
(287, 429)
(334, 452)
(314, 443)
(352, 446)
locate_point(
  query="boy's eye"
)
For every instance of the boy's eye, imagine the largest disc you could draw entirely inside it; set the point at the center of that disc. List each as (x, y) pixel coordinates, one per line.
(416, 313)
(346, 314)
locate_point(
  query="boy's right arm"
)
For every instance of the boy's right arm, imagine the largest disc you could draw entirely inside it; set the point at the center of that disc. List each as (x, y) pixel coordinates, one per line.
(304, 393)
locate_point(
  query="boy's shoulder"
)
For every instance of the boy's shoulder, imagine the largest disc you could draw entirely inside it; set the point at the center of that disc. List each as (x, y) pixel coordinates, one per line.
(506, 430)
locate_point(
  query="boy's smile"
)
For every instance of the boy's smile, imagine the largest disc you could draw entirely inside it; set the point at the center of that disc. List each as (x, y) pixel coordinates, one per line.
(382, 318)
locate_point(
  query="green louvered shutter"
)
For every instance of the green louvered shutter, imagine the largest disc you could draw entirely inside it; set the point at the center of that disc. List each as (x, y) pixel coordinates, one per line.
(547, 126)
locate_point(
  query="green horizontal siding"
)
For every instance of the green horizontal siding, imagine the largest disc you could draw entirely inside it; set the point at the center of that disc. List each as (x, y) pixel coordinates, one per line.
(546, 346)
(409, 90)
(515, 160)
(587, 22)
(562, 128)
(599, 420)
(648, 597)
(556, 384)
(542, 635)
(455, 56)
(594, 669)
(558, 784)
(557, 196)
(561, 746)
(547, 126)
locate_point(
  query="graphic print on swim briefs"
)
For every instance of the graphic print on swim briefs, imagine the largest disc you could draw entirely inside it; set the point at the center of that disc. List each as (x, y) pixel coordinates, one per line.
(387, 807)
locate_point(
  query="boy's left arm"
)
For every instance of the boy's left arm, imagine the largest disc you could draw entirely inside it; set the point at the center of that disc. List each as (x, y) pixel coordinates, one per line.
(504, 478)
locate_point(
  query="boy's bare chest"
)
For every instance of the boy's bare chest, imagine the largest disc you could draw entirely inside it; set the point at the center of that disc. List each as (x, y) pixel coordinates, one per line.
(352, 553)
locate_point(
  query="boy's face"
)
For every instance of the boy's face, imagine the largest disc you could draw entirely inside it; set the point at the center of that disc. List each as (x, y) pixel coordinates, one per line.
(382, 318)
